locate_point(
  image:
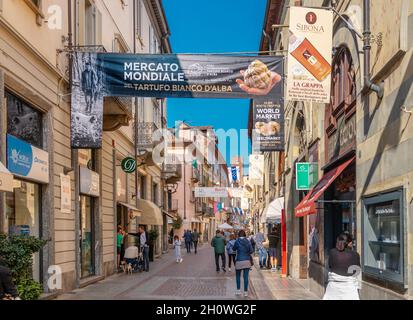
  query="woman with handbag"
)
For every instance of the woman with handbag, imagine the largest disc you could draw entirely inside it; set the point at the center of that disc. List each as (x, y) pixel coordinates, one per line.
(244, 250)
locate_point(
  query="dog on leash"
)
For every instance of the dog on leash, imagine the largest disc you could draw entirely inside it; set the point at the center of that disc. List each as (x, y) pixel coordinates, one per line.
(129, 268)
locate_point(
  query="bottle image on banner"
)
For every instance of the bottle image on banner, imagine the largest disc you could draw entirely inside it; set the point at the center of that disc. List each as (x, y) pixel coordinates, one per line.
(305, 53)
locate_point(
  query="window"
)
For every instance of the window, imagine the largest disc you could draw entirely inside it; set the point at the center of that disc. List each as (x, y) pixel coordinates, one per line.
(155, 193)
(90, 23)
(36, 6)
(383, 237)
(23, 121)
(142, 187)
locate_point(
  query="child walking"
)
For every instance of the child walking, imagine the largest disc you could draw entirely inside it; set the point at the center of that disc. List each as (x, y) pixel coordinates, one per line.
(177, 246)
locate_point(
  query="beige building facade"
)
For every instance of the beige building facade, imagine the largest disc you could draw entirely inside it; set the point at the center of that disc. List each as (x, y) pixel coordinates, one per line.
(35, 42)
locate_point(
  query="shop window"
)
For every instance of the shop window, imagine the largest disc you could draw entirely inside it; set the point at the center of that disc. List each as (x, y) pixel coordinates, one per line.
(23, 212)
(383, 237)
(155, 193)
(23, 121)
(142, 187)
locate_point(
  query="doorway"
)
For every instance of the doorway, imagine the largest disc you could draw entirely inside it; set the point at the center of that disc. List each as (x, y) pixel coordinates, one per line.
(87, 237)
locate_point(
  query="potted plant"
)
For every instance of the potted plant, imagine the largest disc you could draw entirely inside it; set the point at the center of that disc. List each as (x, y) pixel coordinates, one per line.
(153, 235)
(17, 252)
(177, 224)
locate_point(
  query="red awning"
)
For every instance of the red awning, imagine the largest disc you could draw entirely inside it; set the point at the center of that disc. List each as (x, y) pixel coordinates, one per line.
(308, 205)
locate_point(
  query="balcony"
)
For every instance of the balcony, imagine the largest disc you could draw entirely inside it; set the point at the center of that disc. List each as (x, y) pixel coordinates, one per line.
(195, 175)
(172, 173)
(173, 208)
(146, 139)
(117, 112)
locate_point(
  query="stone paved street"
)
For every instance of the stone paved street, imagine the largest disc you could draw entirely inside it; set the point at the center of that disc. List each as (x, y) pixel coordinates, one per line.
(194, 279)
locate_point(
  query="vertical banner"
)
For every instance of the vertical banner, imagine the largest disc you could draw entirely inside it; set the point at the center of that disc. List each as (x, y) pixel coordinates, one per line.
(310, 52)
(268, 125)
(256, 172)
(88, 90)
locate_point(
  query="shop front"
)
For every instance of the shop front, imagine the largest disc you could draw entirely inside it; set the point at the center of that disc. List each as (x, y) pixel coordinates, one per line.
(89, 192)
(23, 206)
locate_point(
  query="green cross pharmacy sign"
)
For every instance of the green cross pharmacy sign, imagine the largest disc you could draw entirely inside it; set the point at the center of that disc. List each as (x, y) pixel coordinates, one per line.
(306, 175)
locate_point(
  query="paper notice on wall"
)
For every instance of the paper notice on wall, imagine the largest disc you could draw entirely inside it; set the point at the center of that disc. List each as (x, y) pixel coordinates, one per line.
(310, 54)
(65, 194)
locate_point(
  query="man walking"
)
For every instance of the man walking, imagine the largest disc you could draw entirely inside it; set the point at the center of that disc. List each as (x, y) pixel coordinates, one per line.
(219, 242)
(273, 239)
(144, 244)
(259, 240)
(188, 239)
(195, 239)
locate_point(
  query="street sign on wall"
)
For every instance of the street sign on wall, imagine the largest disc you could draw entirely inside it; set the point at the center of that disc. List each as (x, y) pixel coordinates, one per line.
(306, 175)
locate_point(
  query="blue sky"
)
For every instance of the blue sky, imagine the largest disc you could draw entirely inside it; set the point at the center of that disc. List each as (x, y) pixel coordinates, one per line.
(214, 26)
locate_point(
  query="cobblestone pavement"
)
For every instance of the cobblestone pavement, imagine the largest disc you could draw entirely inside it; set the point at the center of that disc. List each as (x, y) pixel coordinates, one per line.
(193, 279)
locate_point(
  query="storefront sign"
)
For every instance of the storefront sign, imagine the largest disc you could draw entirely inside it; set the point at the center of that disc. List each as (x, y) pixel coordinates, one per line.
(310, 52)
(306, 175)
(96, 75)
(65, 194)
(89, 182)
(211, 192)
(236, 192)
(248, 189)
(343, 139)
(256, 169)
(245, 204)
(268, 125)
(128, 165)
(27, 161)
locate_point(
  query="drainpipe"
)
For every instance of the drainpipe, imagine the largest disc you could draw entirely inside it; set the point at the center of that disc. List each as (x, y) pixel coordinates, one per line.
(368, 84)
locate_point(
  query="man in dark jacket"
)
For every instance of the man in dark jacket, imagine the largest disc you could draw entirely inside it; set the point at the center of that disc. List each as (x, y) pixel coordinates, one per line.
(188, 240)
(219, 242)
(7, 288)
(195, 239)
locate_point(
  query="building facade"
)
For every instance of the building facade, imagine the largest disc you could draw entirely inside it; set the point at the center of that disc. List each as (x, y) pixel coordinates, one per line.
(36, 40)
(364, 134)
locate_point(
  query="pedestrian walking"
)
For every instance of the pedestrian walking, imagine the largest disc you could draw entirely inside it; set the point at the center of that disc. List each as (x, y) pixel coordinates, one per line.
(188, 240)
(119, 245)
(8, 290)
(259, 241)
(343, 264)
(195, 239)
(243, 248)
(252, 240)
(273, 239)
(219, 242)
(230, 251)
(177, 247)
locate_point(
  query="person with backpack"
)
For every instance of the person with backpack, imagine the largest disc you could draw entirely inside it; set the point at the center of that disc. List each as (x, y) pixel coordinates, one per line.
(231, 254)
(243, 248)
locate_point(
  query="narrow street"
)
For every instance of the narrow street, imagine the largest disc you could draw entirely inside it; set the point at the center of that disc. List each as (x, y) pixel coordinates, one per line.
(194, 279)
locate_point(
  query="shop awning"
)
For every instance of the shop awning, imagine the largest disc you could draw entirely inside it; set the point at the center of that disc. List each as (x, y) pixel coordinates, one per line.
(308, 205)
(273, 212)
(136, 211)
(151, 213)
(6, 179)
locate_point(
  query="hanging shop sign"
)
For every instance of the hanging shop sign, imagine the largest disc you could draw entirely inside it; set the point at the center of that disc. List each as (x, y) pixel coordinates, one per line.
(256, 169)
(234, 174)
(248, 189)
(27, 161)
(245, 204)
(310, 52)
(268, 125)
(65, 194)
(96, 75)
(236, 192)
(211, 192)
(89, 182)
(128, 165)
(306, 175)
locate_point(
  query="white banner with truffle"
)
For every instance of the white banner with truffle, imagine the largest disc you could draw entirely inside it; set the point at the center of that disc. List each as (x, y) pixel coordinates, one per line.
(310, 54)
